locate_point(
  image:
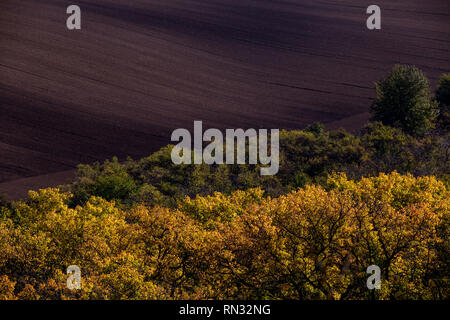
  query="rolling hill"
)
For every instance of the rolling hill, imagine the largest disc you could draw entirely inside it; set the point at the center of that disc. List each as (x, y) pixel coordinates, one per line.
(139, 69)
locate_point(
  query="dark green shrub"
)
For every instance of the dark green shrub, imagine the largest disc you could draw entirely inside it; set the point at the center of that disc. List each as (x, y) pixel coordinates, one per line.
(443, 98)
(404, 101)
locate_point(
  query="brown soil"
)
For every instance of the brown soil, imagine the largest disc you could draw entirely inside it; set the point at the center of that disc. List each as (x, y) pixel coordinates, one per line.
(139, 69)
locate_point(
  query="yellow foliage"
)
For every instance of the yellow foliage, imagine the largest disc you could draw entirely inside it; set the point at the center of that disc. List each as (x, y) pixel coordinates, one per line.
(313, 243)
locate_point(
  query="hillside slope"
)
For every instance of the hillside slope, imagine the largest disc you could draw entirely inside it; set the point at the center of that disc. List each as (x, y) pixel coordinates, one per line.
(139, 69)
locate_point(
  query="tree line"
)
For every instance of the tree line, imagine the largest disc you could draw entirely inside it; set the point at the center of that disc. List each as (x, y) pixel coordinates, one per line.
(149, 229)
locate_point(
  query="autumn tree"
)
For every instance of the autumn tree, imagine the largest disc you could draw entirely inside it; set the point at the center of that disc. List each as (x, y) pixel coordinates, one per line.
(312, 243)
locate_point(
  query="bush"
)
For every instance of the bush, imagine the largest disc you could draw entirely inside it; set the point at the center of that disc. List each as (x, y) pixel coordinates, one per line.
(306, 157)
(443, 91)
(116, 186)
(404, 101)
(443, 97)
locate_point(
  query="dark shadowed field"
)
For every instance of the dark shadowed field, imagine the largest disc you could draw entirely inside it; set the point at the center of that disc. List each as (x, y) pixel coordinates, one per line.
(139, 69)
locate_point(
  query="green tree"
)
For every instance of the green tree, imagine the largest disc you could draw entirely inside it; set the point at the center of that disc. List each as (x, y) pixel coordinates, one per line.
(404, 101)
(443, 91)
(443, 97)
